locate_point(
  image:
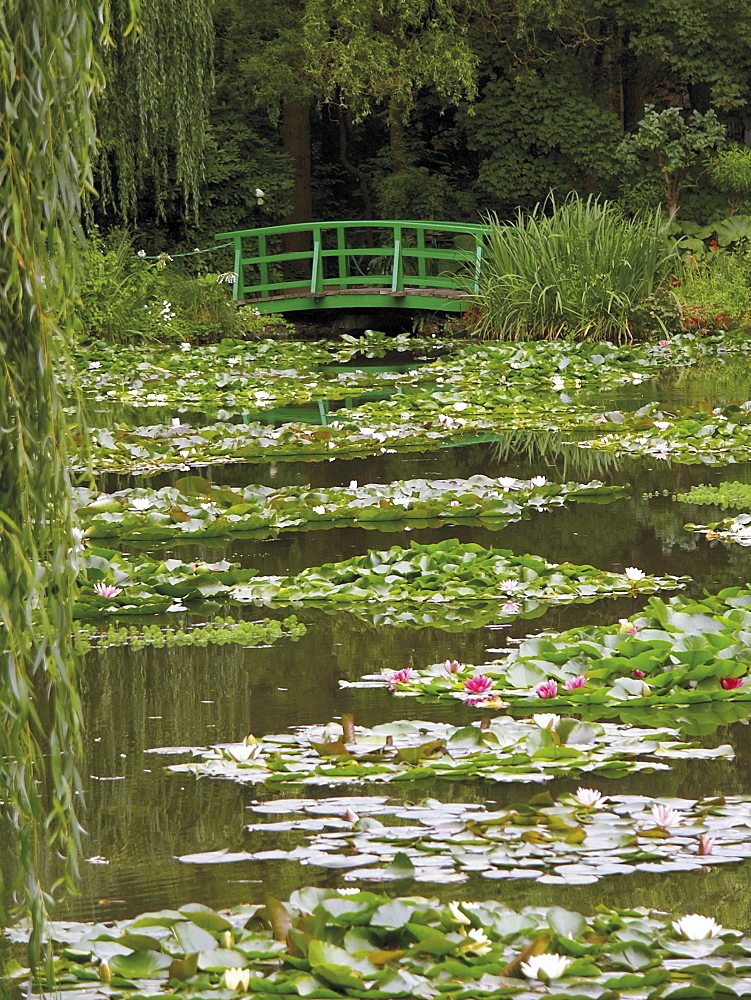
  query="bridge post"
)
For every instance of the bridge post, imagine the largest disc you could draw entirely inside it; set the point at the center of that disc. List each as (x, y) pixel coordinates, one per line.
(397, 273)
(316, 269)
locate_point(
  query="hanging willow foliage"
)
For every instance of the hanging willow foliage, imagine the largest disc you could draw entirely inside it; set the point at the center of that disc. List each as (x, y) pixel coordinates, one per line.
(153, 116)
(47, 79)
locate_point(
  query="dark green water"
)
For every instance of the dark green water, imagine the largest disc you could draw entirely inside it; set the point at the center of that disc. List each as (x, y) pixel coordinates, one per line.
(140, 817)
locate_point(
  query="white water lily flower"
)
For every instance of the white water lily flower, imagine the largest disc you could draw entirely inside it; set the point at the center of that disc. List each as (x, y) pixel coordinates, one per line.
(507, 483)
(662, 424)
(237, 979)
(632, 573)
(590, 798)
(242, 752)
(695, 927)
(140, 503)
(538, 481)
(456, 914)
(353, 484)
(477, 943)
(549, 966)
(546, 720)
(349, 892)
(558, 383)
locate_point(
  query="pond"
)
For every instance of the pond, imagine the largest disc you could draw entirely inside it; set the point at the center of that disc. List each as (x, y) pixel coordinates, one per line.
(142, 817)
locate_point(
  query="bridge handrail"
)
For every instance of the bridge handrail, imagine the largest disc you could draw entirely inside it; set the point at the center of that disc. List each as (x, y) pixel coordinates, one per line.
(396, 253)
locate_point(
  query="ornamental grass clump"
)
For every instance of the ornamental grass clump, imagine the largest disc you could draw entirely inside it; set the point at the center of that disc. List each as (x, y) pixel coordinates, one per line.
(575, 269)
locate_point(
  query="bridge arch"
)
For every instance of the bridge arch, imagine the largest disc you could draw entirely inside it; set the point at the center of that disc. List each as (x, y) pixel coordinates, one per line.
(371, 264)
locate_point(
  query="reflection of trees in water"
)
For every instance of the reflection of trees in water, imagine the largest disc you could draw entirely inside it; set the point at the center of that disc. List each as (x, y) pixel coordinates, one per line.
(546, 450)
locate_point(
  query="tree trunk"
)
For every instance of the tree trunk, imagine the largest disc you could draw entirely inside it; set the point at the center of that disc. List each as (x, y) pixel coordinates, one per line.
(631, 86)
(296, 138)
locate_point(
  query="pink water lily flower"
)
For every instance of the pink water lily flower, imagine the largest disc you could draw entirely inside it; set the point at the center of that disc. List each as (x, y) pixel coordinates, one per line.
(666, 816)
(107, 590)
(729, 683)
(575, 682)
(479, 684)
(396, 677)
(453, 667)
(548, 689)
(706, 844)
(638, 673)
(510, 607)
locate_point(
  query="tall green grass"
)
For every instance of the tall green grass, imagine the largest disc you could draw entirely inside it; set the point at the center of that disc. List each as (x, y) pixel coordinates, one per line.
(574, 269)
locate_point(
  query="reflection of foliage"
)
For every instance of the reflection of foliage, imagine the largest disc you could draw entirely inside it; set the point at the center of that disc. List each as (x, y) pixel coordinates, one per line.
(546, 449)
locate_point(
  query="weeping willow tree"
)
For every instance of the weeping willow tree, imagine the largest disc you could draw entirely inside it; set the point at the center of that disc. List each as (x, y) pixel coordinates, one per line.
(54, 59)
(48, 78)
(153, 115)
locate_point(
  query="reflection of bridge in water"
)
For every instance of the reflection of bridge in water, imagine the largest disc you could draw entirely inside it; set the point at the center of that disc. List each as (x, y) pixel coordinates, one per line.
(345, 265)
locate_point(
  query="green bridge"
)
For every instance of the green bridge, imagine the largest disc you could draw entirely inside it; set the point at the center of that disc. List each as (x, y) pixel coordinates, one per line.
(346, 265)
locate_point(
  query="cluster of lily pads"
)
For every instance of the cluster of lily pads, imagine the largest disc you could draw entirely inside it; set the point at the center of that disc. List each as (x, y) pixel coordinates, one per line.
(448, 584)
(356, 943)
(691, 436)
(686, 652)
(196, 508)
(575, 839)
(500, 750)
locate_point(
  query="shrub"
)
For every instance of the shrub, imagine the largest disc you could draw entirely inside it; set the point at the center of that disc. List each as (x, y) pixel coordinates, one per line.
(575, 272)
(715, 291)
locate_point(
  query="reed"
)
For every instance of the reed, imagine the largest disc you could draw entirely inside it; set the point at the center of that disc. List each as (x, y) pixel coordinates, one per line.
(573, 269)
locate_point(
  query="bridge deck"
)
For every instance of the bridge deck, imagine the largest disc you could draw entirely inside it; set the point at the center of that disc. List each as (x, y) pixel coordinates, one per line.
(372, 264)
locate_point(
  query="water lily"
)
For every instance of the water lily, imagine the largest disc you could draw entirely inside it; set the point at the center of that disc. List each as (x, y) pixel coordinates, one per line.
(507, 483)
(706, 845)
(477, 942)
(666, 816)
(456, 914)
(627, 627)
(478, 684)
(77, 536)
(396, 677)
(107, 590)
(453, 667)
(633, 574)
(510, 607)
(351, 816)
(638, 673)
(695, 927)
(558, 383)
(575, 682)
(589, 798)
(730, 683)
(546, 720)
(243, 752)
(545, 967)
(510, 586)
(140, 503)
(538, 481)
(548, 689)
(237, 979)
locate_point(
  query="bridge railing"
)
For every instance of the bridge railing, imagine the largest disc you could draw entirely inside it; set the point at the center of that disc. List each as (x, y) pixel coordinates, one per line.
(340, 256)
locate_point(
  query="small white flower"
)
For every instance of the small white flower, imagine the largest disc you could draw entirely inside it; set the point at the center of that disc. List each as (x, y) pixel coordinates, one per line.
(260, 193)
(141, 253)
(558, 383)
(695, 927)
(94, 364)
(632, 573)
(458, 915)
(476, 943)
(353, 484)
(140, 503)
(237, 979)
(662, 424)
(590, 798)
(545, 967)
(185, 346)
(349, 892)
(507, 483)
(78, 543)
(538, 481)
(546, 720)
